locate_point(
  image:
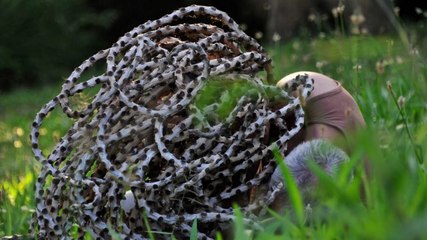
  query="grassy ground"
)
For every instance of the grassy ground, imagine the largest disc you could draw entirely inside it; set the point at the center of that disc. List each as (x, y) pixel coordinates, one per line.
(388, 80)
(18, 166)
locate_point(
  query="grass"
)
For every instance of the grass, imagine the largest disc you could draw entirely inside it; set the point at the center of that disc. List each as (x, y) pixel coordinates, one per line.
(387, 79)
(18, 167)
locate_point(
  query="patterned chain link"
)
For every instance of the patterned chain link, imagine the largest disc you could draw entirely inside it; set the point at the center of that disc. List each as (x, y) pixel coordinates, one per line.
(139, 150)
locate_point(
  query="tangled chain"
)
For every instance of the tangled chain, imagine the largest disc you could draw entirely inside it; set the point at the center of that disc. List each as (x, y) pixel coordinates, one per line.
(141, 155)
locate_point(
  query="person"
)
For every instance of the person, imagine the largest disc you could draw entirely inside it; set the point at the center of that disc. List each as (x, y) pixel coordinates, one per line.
(331, 112)
(322, 152)
(331, 116)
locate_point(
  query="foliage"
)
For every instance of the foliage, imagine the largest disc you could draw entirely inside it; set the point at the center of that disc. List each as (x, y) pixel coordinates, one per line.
(42, 39)
(387, 201)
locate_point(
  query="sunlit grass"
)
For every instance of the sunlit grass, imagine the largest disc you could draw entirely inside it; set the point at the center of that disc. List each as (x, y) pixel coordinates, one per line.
(18, 168)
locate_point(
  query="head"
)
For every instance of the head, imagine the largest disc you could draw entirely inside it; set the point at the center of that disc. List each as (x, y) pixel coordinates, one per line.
(321, 152)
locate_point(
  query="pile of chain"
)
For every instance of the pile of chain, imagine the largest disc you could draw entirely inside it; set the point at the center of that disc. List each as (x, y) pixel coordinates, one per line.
(141, 157)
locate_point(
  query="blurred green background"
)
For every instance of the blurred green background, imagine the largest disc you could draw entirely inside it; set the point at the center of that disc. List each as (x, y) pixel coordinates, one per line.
(42, 40)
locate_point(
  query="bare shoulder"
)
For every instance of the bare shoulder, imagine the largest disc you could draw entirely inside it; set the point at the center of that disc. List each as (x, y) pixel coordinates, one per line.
(322, 83)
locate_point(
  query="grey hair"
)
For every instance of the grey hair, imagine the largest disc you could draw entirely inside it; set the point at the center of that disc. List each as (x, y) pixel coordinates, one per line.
(320, 151)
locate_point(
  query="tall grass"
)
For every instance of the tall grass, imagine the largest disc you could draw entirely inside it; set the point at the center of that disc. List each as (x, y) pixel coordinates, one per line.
(390, 202)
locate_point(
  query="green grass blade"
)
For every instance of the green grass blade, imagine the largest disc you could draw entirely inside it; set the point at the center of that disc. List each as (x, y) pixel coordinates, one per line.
(239, 228)
(147, 225)
(218, 236)
(114, 235)
(193, 235)
(330, 186)
(292, 188)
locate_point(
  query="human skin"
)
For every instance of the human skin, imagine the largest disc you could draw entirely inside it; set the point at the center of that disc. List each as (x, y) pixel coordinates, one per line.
(298, 146)
(322, 84)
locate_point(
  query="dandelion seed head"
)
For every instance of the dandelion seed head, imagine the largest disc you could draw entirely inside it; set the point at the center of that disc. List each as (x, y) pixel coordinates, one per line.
(340, 69)
(17, 144)
(43, 131)
(335, 12)
(357, 67)
(276, 37)
(19, 131)
(364, 31)
(259, 35)
(321, 64)
(306, 58)
(379, 67)
(414, 52)
(357, 18)
(396, 11)
(339, 10)
(355, 30)
(384, 146)
(388, 84)
(401, 101)
(296, 45)
(312, 17)
(400, 126)
(294, 57)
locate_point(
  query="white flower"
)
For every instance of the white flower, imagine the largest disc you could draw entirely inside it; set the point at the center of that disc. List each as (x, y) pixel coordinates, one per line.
(259, 35)
(396, 11)
(357, 67)
(335, 12)
(357, 18)
(276, 37)
(401, 101)
(321, 64)
(414, 52)
(312, 17)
